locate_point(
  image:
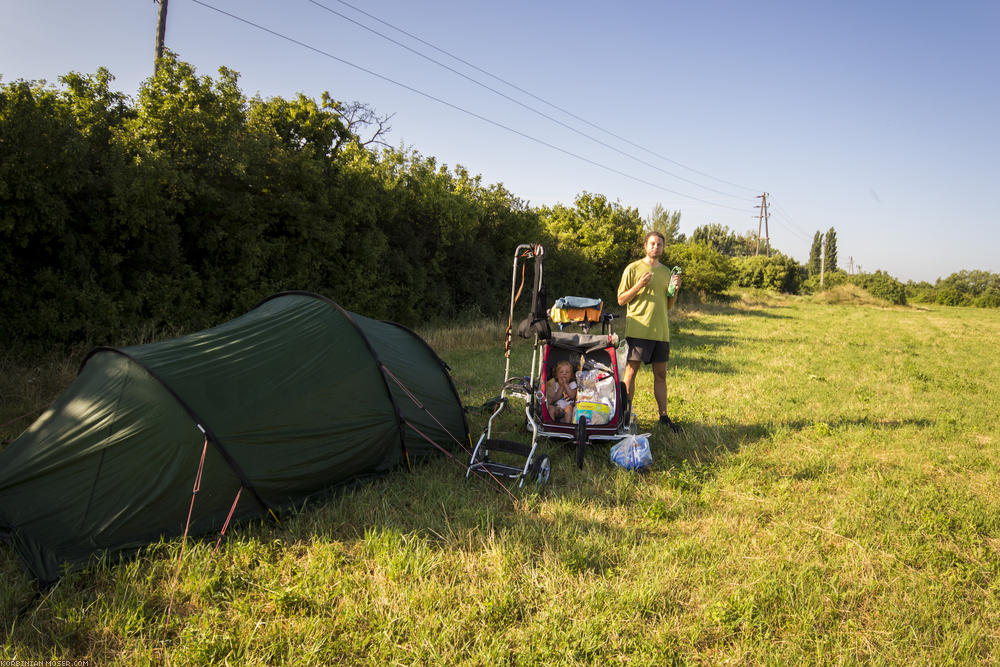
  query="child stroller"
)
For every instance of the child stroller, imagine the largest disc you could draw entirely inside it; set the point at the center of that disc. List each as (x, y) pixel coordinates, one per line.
(602, 410)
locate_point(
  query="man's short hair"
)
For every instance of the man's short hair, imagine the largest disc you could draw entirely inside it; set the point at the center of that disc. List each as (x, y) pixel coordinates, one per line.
(645, 239)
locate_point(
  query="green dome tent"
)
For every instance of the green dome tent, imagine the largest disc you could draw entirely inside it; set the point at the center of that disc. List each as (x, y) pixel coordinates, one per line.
(288, 401)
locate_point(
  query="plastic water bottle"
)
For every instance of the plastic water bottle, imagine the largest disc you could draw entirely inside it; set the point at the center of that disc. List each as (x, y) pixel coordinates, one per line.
(670, 288)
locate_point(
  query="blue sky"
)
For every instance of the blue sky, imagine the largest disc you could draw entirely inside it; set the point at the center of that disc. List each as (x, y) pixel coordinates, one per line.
(879, 119)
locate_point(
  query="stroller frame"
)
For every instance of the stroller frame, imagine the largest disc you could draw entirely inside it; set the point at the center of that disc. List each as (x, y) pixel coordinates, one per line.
(530, 389)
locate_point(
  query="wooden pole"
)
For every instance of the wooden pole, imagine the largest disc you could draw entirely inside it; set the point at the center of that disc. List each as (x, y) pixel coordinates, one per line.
(767, 234)
(822, 261)
(161, 31)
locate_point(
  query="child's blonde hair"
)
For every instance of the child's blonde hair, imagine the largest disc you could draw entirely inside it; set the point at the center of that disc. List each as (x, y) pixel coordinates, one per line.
(560, 364)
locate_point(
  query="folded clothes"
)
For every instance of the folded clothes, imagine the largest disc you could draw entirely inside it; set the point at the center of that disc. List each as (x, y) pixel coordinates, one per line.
(577, 302)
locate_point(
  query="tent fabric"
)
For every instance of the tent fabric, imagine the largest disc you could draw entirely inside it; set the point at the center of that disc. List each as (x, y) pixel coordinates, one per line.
(295, 398)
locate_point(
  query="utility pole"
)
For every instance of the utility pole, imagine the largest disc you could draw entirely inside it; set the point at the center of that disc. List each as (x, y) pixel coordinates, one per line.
(161, 31)
(850, 265)
(822, 261)
(762, 221)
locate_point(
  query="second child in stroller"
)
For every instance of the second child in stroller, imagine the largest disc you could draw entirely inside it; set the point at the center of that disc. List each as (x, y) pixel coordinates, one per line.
(560, 393)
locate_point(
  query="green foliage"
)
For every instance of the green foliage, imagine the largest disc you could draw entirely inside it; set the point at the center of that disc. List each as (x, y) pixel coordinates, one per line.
(589, 245)
(969, 288)
(830, 251)
(816, 254)
(706, 269)
(964, 288)
(667, 223)
(192, 203)
(921, 292)
(728, 242)
(717, 236)
(882, 286)
(777, 272)
(831, 279)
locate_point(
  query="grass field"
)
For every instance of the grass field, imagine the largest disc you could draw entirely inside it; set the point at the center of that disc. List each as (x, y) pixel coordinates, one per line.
(834, 498)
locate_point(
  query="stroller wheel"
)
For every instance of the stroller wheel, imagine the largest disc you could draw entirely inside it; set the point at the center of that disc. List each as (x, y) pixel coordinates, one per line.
(541, 469)
(581, 441)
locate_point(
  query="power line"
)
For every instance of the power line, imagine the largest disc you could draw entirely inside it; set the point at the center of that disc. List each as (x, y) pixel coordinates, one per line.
(521, 104)
(540, 99)
(791, 226)
(458, 108)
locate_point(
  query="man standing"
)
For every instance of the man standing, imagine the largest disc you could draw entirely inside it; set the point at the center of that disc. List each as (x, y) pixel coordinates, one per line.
(643, 288)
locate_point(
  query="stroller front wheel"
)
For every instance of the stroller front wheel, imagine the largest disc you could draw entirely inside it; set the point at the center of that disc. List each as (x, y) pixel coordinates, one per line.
(541, 468)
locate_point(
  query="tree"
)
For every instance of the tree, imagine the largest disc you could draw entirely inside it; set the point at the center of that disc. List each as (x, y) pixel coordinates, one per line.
(719, 237)
(590, 244)
(667, 223)
(815, 253)
(705, 268)
(830, 253)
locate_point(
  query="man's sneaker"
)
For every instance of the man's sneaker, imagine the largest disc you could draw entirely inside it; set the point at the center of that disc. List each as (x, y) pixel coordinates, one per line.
(665, 420)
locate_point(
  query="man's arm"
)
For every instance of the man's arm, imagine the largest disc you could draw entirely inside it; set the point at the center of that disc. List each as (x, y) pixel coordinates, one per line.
(630, 293)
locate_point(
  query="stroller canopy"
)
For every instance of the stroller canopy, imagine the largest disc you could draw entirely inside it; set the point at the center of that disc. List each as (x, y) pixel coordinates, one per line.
(286, 402)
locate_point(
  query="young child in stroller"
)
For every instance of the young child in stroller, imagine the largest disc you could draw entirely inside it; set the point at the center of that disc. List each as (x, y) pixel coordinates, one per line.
(560, 393)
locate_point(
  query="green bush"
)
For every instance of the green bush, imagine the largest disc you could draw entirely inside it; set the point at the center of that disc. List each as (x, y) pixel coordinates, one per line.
(988, 299)
(777, 272)
(881, 285)
(705, 269)
(922, 292)
(831, 279)
(963, 288)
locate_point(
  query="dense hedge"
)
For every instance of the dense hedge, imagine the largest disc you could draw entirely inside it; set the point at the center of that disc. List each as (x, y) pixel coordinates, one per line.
(192, 203)
(188, 204)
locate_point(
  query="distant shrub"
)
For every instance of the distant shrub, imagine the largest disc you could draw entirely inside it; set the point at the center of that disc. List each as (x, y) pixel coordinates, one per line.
(778, 272)
(989, 299)
(969, 288)
(831, 279)
(922, 292)
(949, 296)
(883, 286)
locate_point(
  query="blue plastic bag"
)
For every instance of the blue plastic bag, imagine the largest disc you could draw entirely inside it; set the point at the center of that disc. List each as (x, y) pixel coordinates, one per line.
(632, 452)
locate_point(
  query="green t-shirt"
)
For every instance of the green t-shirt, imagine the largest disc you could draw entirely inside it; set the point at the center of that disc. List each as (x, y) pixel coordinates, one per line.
(646, 316)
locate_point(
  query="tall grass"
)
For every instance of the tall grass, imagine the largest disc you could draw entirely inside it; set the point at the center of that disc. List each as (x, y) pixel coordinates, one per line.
(833, 498)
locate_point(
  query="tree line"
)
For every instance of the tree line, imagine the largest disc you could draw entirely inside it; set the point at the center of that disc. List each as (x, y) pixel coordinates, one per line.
(189, 203)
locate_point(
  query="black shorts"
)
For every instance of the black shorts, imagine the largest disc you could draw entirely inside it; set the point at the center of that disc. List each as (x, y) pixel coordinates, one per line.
(648, 351)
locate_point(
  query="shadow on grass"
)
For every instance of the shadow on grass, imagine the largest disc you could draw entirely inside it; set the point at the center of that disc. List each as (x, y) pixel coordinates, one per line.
(754, 310)
(433, 508)
(704, 444)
